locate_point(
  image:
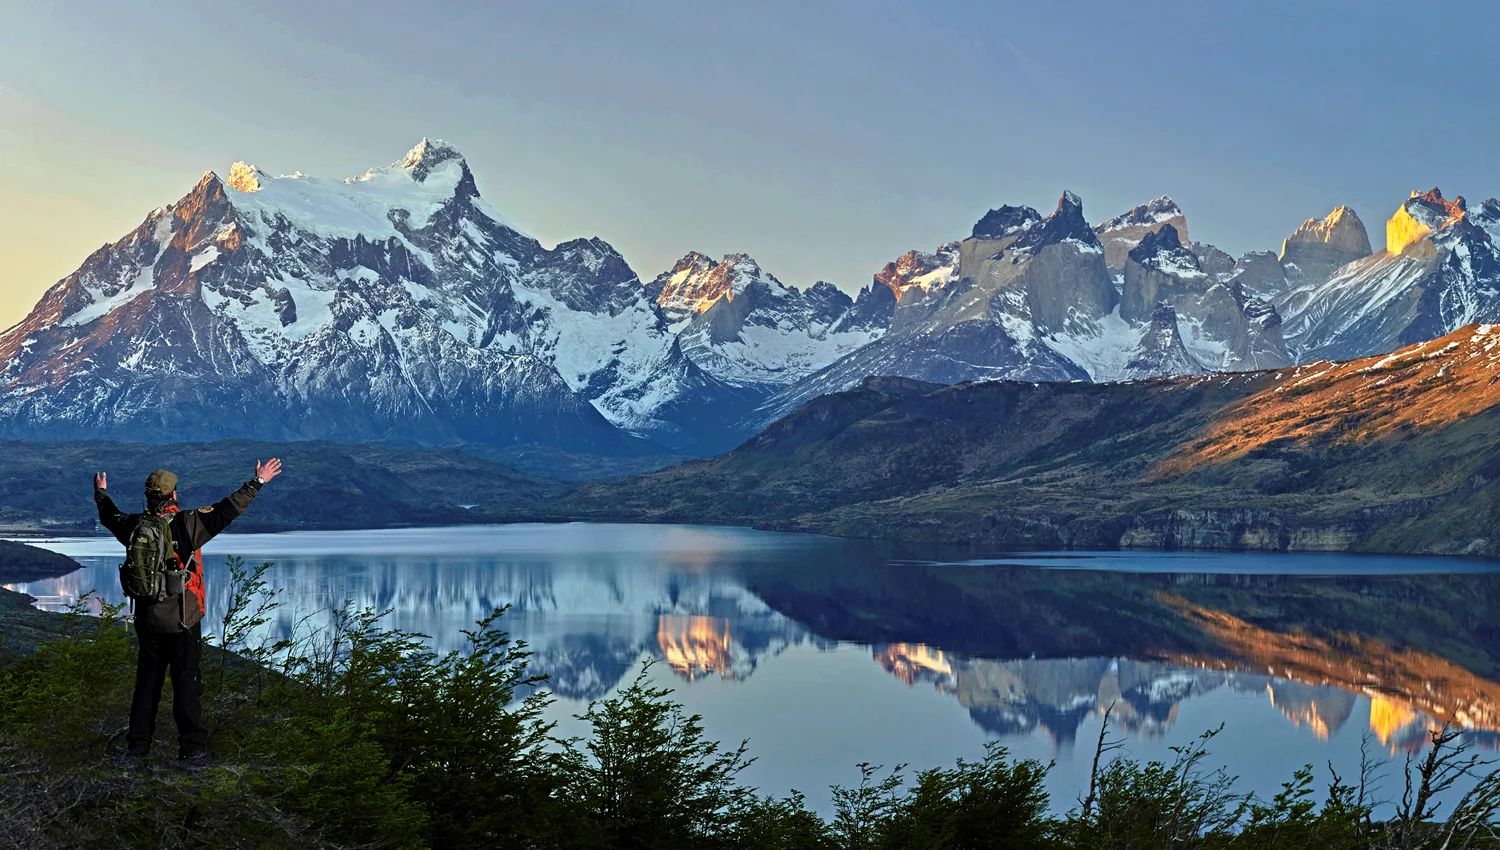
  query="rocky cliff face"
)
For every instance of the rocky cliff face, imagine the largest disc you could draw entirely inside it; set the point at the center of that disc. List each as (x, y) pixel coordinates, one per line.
(1440, 271)
(918, 273)
(1226, 329)
(1161, 350)
(1212, 260)
(1321, 246)
(1122, 233)
(1261, 274)
(1487, 218)
(1020, 277)
(1031, 298)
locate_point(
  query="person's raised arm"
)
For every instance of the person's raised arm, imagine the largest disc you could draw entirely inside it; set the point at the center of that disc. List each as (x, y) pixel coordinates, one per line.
(205, 523)
(117, 523)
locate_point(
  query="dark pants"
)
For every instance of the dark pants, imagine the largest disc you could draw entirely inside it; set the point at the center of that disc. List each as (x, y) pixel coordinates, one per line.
(182, 655)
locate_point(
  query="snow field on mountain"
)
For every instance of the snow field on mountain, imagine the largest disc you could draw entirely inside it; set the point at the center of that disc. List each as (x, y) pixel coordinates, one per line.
(142, 280)
(359, 206)
(1211, 352)
(776, 355)
(1104, 354)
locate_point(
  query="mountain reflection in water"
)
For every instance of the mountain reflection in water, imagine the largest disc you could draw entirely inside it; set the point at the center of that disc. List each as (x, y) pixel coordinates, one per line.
(1055, 696)
(777, 636)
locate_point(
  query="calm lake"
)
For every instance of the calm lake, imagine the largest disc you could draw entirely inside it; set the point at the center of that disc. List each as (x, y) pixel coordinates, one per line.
(825, 653)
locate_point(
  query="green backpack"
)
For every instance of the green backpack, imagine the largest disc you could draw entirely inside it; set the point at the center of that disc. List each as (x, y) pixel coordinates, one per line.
(149, 573)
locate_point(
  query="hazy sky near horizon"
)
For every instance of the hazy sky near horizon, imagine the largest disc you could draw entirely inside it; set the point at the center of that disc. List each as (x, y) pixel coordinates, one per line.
(823, 138)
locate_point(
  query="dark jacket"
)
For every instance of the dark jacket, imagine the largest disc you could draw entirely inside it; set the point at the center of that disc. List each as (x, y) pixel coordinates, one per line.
(190, 531)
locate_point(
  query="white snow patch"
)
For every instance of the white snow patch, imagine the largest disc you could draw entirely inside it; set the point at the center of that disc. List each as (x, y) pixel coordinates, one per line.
(770, 355)
(103, 305)
(204, 257)
(1103, 353)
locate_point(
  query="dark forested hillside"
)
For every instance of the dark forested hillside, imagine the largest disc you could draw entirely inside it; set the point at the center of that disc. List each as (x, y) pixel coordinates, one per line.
(1396, 453)
(47, 487)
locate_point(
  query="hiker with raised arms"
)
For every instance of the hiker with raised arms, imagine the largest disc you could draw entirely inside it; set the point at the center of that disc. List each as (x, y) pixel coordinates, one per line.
(163, 576)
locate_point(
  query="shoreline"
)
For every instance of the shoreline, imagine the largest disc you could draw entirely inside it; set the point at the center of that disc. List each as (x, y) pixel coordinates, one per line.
(978, 550)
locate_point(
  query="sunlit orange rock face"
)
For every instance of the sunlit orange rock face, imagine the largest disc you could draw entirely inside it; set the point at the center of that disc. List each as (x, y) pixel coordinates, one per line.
(916, 273)
(229, 239)
(1409, 231)
(697, 282)
(243, 177)
(1322, 245)
(1429, 384)
(1341, 228)
(695, 646)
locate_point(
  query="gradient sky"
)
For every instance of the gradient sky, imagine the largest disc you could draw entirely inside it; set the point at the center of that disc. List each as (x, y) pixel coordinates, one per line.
(823, 138)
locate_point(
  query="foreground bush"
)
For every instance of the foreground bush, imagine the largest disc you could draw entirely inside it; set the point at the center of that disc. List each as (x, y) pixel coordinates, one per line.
(359, 736)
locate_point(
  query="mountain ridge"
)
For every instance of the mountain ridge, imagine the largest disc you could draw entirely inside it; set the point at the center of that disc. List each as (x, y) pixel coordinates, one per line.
(399, 307)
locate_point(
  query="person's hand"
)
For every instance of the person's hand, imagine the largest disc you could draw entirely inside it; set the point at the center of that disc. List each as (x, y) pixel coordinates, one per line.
(268, 470)
(101, 481)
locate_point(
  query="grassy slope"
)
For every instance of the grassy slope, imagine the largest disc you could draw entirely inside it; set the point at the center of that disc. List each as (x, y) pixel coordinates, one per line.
(47, 487)
(1398, 453)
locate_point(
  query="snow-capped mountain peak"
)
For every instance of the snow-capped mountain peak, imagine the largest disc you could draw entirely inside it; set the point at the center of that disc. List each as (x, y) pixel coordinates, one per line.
(1005, 222)
(1065, 223)
(919, 272)
(1162, 250)
(1440, 271)
(1163, 209)
(383, 203)
(393, 305)
(1424, 215)
(1122, 233)
(427, 155)
(697, 282)
(741, 325)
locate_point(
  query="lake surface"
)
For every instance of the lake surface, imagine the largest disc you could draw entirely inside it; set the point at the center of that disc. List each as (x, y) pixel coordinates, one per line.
(825, 653)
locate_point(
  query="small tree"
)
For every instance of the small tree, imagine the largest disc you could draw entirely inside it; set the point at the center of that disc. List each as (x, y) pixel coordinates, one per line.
(862, 814)
(647, 778)
(1159, 804)
(992, 804)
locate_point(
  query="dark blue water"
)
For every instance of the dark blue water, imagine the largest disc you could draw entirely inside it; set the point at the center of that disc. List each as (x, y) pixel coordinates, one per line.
(825, 653)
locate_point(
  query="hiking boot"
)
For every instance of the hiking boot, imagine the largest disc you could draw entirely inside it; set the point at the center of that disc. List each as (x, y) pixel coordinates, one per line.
(193, 759)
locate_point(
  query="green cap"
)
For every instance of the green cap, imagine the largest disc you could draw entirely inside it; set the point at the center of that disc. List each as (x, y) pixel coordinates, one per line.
(160, 483)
